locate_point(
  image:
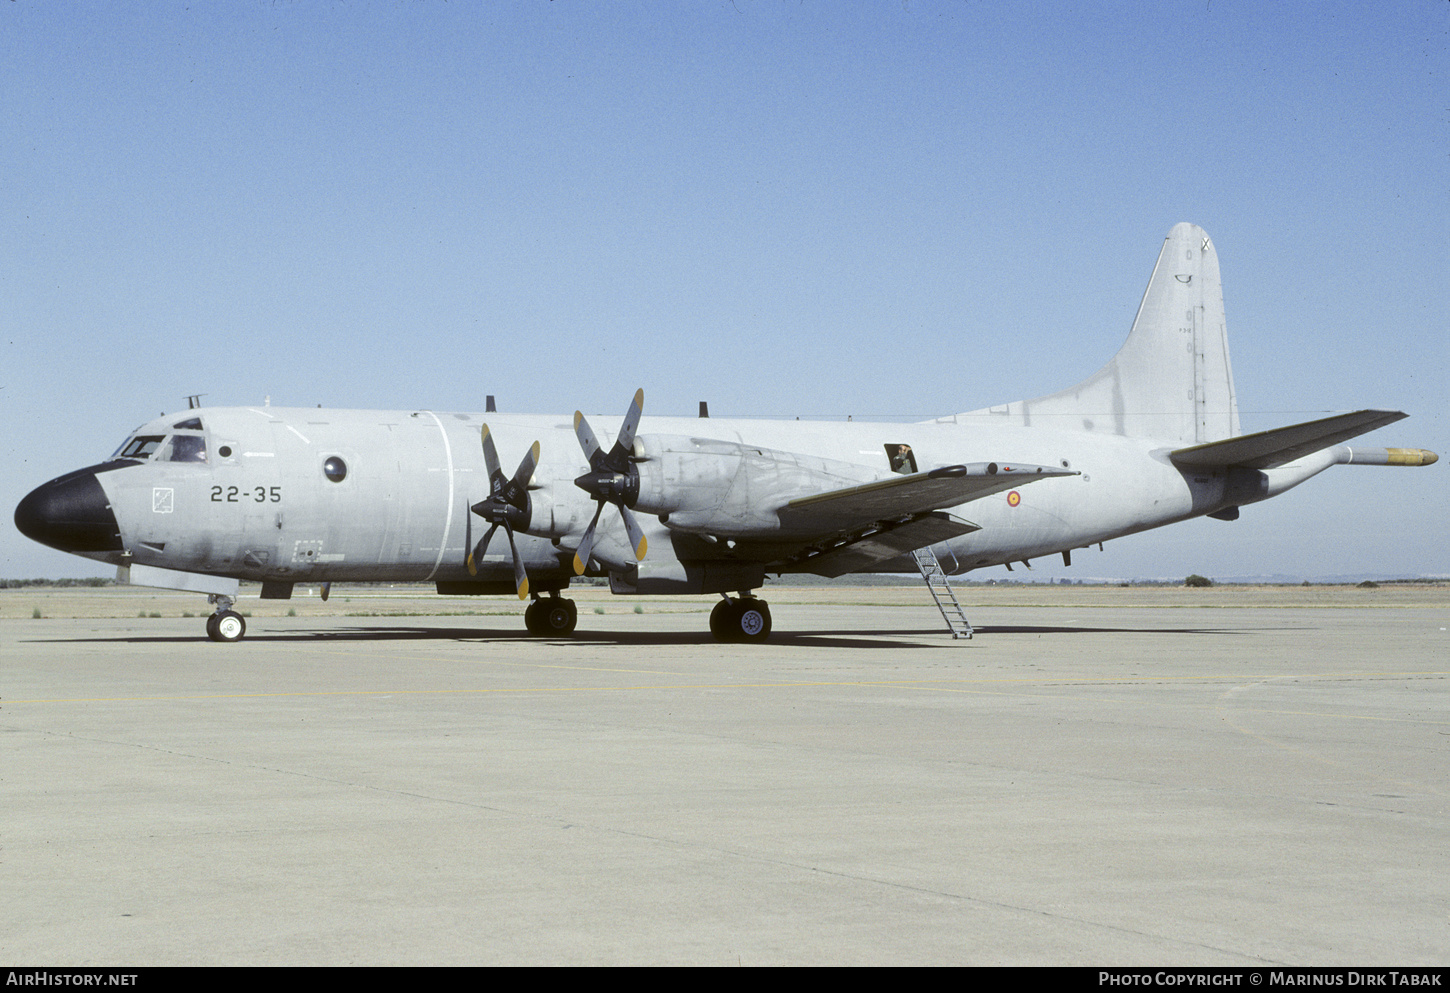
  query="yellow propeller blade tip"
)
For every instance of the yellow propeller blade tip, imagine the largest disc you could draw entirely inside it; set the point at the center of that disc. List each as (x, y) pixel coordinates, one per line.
(639, 552)
(524, 590)
(578, 566)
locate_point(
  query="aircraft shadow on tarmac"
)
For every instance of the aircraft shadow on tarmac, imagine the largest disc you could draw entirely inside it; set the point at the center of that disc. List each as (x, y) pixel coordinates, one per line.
(582, 639)
(782, 639)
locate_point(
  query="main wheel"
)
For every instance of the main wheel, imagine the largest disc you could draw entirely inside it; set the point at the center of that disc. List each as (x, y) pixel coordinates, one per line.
(754, 622)
(745, 619)
(228, 625)
(560, 616)
(551, 616)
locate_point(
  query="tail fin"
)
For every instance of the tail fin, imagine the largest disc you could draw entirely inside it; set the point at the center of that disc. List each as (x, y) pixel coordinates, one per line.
(1171, 380)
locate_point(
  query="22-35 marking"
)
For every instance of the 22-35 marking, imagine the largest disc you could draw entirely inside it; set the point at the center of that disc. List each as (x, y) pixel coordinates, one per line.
(236, 494)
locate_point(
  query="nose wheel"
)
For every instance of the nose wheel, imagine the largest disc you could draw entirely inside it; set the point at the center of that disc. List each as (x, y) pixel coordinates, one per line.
(745, 618)
(226, 624)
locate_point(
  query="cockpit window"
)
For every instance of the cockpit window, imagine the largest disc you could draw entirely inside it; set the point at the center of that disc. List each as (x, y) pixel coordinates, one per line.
(187, 448)
(190, 424)
(143, 446)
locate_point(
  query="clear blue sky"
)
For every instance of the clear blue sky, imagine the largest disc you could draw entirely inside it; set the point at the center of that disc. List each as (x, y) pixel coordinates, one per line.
(413, 204)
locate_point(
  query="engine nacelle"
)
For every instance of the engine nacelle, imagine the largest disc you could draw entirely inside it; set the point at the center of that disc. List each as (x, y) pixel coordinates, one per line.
(551, 518)
(726, 488)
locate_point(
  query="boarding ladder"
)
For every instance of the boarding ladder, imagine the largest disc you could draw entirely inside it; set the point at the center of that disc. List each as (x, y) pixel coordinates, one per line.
(941, 592)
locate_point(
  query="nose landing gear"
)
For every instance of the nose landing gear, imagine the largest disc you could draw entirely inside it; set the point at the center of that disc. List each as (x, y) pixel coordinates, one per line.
(225, 624)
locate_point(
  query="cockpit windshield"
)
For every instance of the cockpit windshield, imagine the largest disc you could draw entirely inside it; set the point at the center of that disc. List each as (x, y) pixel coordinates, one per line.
(180, 447)
(143, 446)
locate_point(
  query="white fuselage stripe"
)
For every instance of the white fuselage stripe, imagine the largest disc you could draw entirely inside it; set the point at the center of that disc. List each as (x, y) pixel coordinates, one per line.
(448, 519)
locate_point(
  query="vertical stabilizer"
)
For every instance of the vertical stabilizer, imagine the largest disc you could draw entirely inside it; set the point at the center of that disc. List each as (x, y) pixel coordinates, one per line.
(1171, 380)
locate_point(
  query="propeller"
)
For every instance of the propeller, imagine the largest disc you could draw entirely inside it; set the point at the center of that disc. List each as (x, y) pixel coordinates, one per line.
(507, 506)
(612, 478)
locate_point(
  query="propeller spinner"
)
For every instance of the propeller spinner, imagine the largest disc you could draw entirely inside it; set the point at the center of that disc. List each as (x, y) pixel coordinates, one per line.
(612, 478)
(507, 506)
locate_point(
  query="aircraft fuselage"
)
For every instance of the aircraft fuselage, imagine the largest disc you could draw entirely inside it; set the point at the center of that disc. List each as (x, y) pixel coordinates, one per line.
(259, 503)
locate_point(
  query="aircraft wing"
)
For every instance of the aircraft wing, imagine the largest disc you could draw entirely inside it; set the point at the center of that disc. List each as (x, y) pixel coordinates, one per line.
(859, 527)
(903, 497)
(1270, 449)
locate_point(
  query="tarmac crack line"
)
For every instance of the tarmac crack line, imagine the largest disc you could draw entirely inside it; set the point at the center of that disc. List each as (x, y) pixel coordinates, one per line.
(1223, 708)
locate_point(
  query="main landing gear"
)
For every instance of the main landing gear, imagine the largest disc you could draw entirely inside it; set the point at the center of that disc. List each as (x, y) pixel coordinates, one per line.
(551, 616)
(743, 619)
(226, 624)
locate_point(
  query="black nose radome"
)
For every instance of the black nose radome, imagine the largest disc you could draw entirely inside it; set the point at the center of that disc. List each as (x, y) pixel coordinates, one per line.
(70, 513)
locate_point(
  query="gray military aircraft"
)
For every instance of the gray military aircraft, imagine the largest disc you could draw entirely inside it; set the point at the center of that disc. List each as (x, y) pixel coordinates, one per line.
(200, 500)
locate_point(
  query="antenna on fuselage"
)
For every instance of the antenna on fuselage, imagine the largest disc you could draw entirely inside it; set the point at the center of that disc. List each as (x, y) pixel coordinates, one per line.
(704, 409)
(488, 404)
(194, 401)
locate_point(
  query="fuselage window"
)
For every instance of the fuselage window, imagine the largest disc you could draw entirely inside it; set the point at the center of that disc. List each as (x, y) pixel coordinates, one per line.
(903, 459)
(335, 469)
(190, 424)
(143, 446)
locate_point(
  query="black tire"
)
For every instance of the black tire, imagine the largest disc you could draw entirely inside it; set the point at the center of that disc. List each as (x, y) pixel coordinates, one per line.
(533, 618)
(560, 616)
(226, 626)
(722, 620)
(745, 619)
(551, 617)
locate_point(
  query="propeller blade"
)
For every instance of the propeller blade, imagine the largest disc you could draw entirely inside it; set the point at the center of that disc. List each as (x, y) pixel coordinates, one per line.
(624, 445)
(587, 441)
(586, 544)
(521, 578)
(490, 456)
(468, 542)
(476, 556)
(636, 533)
(519, 485)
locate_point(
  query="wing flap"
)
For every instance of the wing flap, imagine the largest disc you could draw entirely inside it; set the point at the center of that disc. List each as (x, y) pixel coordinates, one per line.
(860, 553)
(1270, 449)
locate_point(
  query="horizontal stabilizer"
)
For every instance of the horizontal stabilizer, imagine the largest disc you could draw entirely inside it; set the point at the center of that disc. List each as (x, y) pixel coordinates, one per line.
(1269, 449)
(904, 496)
